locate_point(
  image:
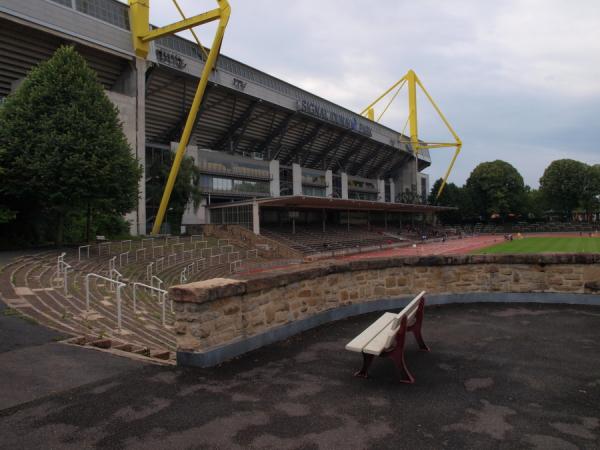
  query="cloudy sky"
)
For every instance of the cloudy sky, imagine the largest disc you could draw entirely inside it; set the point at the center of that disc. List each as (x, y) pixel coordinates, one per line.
(518, 79)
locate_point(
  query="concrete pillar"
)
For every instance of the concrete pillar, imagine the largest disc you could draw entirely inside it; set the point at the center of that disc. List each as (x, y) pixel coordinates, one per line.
(381, 191)
(329, 183)
(255, 218)
(392, 190)
(193, 216)
(407, 176)
(296, 179)
(274, 186)
(132, 83)
(140, 69)
(344, 185)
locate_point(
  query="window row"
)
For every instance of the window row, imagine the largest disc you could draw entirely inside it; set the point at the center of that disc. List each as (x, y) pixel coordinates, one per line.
(219, 184)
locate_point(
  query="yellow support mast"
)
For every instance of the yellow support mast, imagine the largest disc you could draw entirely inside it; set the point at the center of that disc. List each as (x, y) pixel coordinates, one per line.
(142, 35)
(412, 80)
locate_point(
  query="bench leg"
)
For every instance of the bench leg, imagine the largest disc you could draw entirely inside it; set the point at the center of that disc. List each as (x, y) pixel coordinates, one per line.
(364, 370)
(397, 355)
(419, 338)
(398, 358)
(416, 328)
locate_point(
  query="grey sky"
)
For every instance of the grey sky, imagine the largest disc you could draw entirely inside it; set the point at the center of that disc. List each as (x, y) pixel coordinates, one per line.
(518, 79)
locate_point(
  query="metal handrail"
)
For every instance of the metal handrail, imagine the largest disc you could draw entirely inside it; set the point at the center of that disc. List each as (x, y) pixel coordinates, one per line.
(120, 285)
(161, 294)
(87, 247)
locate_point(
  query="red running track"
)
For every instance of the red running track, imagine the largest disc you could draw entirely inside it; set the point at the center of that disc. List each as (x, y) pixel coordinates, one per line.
(450, 247)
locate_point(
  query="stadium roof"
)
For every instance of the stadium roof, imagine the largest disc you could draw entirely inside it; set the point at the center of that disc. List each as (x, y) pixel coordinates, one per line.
(244, 111)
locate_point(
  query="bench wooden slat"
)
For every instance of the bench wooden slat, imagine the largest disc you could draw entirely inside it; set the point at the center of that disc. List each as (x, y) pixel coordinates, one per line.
(359, 342)
(378, 343)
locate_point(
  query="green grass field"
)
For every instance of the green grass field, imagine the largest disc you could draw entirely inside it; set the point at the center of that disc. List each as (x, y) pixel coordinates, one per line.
(546, 245)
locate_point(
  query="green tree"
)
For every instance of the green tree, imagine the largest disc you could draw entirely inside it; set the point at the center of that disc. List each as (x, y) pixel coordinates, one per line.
(534, 203)
(185, 189)
(452, 195)
(563, 185)
(496, 187)
(63, 146)
(590, 200)
(6, 214)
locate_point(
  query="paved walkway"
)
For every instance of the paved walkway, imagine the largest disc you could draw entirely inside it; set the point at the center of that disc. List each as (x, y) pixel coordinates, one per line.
(34, 365)
(498, 376)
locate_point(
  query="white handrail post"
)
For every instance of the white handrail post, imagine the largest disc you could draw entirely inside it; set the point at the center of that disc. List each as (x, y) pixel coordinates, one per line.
(163, 309)
(134, 298)
(65, 281)
(87, 292)
(119, 286)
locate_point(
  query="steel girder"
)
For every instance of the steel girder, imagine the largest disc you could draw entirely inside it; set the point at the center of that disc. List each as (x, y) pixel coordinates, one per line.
(240, 123)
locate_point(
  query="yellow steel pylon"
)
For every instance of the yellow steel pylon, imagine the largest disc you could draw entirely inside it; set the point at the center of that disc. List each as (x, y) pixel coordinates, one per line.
(413, 81)
(139, 12)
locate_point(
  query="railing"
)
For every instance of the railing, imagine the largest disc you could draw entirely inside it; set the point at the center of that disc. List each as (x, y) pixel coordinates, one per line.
(149, 271)
(115, 275)
(126, 255)
(81, 247)
(162, 294)
(119, 285)
(62, 269)
(158, 281)
(235, 266)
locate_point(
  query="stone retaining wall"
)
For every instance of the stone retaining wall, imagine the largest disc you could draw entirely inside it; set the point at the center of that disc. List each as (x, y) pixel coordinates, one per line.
(214, 318)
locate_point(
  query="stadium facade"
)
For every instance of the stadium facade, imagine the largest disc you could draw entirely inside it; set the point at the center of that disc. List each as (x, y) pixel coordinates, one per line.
(256, 138)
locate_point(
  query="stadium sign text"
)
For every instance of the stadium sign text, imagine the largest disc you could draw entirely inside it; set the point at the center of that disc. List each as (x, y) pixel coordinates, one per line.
(170, 59)
(316, 110)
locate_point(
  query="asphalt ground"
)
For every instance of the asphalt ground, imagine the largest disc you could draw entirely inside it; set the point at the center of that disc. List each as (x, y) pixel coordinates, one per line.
(498, 376)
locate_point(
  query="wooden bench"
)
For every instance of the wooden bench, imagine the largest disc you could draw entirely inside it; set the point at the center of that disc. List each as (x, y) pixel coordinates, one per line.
(386, 338)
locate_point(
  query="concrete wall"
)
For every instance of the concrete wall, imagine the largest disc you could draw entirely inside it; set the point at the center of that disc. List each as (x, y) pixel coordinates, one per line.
(216, 319)
(128, 116)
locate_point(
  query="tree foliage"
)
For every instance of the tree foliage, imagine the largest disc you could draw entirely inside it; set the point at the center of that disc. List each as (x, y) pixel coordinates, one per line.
(185, 189)
(496, 187)
(454, 196)
(565, 185)
(63, 147)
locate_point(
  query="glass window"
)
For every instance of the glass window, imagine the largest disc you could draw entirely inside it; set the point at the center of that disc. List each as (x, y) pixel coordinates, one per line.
(109, 11)
(63, 2)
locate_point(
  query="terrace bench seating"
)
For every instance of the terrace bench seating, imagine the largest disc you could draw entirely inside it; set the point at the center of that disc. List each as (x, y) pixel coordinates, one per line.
(309, 239)
(386, 338)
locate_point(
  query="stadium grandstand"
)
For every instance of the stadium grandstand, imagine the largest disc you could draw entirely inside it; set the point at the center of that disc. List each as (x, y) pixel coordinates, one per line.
(273, 157)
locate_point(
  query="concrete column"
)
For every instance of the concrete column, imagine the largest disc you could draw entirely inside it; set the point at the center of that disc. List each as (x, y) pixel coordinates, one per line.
(392, 190)
(255, 218)
(407, 176)
(132, 84)
(274, 186)
(296, 179)
(140, 68)
(381, 191)
(193, 216)
(344, 185)
(329, 183)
